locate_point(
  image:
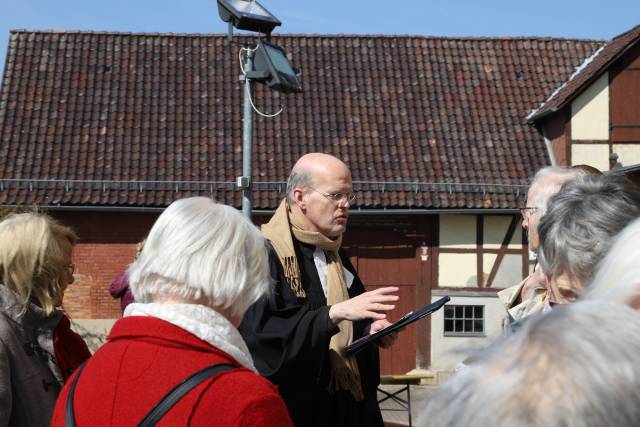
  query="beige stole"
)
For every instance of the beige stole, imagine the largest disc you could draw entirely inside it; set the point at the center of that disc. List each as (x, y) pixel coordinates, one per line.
(345, 374)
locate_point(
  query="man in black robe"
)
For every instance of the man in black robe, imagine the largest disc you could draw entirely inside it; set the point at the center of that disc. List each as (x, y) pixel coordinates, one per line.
(318, 305)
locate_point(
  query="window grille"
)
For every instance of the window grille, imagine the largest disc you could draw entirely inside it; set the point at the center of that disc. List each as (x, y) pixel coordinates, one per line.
(464, 320)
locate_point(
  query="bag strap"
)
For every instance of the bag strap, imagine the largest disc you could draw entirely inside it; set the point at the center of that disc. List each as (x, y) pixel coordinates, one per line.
(180, 390)
(70, 417)
(161, 407)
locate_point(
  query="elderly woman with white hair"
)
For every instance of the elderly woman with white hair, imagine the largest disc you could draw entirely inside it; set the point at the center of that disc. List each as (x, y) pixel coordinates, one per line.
(577, 366)
(177, 356)
(577, 230)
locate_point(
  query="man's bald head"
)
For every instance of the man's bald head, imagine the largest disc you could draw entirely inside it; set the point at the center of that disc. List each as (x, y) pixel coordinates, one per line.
(320, 193)
(546, 183)
(306, 170)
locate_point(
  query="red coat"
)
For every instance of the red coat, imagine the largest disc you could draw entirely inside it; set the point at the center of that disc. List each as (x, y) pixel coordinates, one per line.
(144, 358)
(70, 349)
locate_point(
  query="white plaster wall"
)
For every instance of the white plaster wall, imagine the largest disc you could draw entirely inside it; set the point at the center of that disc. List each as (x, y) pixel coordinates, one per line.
(457, 270)
(458, 231)
(509, 272)
(590, 112)
(447, 352)
(596, 155)
(495, 228)
(628, 154)
(487, 264)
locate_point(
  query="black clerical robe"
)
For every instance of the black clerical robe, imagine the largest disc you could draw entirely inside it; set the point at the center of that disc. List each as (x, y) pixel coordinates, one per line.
(289, 340)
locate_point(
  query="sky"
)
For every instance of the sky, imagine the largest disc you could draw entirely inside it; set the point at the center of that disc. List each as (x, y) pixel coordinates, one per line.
(477, 18)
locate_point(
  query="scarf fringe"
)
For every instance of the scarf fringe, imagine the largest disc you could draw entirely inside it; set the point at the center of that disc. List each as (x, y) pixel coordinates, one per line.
(292, 276)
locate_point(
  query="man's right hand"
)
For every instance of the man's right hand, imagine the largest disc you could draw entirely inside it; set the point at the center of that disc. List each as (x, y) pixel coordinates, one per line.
(369, 305)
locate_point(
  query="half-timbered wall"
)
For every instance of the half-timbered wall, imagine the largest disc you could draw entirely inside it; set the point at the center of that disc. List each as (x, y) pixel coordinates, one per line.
(625, 107)
(602, 120)
(605, 118)
(590, 112)
(480, 251)
(477, 256)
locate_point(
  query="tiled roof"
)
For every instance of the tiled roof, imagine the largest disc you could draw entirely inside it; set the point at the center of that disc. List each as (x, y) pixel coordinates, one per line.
(591, 68)
(138, 120)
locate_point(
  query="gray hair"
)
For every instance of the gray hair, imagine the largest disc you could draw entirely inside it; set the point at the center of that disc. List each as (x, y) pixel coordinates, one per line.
(573, 367)
(581, 221)
(299, 178)
(199, 250)
(618, 275)
(547, 182)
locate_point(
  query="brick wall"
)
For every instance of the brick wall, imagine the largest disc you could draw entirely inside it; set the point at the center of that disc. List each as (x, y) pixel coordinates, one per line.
(107, 246)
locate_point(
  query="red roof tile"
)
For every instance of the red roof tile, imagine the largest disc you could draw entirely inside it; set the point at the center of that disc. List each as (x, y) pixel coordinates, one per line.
(138, 120)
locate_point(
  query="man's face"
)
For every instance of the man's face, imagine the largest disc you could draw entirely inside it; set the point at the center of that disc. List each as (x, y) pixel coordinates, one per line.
(531, 220)
(324, 214)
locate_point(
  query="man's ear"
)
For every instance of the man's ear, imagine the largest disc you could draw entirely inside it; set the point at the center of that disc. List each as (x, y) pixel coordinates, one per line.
(298, 198)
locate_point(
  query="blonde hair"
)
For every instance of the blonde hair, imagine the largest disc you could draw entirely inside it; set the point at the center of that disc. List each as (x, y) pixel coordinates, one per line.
(32, 258)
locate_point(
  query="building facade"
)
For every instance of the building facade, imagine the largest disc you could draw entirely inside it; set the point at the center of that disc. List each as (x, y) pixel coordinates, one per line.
(104, 130)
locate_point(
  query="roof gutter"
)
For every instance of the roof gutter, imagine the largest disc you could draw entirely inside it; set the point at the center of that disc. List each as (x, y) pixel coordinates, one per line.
(539, 116)
(263, 212)
(547, 143)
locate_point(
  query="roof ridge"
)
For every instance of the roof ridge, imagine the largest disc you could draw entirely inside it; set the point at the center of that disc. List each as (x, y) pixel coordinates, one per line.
(313, 35)
(637, 27)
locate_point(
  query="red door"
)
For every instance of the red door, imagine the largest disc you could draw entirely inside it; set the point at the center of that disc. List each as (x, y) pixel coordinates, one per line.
(388, 253)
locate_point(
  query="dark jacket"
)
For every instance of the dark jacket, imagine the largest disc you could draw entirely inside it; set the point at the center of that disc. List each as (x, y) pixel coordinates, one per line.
(289, 341)
(30, 378)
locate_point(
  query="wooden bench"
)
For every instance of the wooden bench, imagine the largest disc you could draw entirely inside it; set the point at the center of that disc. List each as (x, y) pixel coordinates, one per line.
(406, 381)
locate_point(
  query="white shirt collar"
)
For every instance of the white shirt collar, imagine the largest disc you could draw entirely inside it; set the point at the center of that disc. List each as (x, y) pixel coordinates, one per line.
(320, 260)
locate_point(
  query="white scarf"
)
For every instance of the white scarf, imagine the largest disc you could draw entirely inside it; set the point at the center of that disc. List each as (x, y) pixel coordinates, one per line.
(203, 322)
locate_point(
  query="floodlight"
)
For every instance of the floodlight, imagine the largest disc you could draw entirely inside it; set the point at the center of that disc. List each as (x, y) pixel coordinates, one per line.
(247, 15)
(271, 67)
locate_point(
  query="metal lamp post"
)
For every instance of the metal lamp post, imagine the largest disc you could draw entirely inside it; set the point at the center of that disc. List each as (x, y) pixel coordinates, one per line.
(244, 181)
(266, 63)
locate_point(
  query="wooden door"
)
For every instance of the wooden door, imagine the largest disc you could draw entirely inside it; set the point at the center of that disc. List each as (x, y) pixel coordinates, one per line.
(389, 252)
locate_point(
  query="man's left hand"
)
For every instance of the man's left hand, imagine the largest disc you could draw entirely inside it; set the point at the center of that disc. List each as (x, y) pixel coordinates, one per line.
(388, 340)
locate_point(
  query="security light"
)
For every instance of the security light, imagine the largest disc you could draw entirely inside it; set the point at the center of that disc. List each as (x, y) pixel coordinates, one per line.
(272, 68)
(266, 63)
(247, 15)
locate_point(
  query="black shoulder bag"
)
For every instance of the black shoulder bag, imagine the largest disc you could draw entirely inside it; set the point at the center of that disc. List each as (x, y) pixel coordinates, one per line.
(165, 403)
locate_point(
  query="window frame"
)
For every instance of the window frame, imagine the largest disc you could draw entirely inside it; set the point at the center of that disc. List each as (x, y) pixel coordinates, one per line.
(464, 318)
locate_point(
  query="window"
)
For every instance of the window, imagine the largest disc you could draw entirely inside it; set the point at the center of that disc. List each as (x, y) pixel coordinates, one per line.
(463, 320)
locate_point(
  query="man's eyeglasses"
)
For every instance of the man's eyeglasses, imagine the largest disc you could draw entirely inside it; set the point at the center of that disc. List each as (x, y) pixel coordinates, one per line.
(338, 197)
(527, 212)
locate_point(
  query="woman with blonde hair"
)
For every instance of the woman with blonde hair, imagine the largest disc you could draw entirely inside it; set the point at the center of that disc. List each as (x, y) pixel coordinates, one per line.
(38, 350)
